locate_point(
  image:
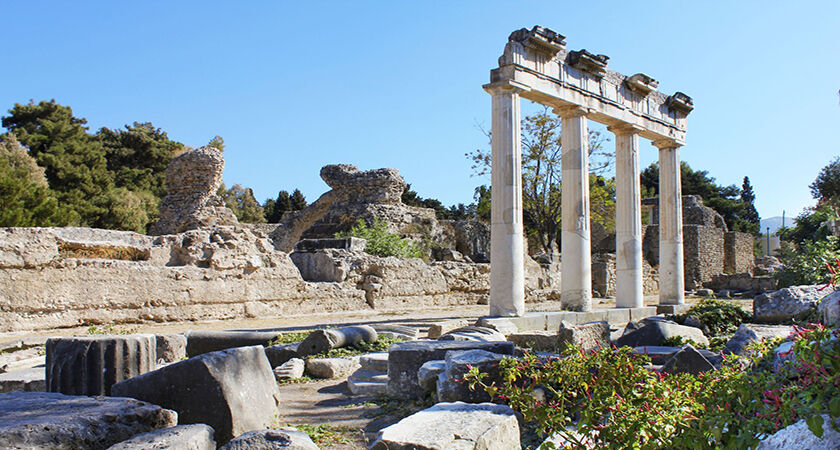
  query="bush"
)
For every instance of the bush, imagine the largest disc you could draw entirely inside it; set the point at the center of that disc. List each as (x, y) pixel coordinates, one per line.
(808, 262)
(382, 243)
(719, 316)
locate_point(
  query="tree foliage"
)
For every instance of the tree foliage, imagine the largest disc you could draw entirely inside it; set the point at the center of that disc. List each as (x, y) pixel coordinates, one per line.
(138, 156)
(297, 201)
(242, 202)
(826, 188)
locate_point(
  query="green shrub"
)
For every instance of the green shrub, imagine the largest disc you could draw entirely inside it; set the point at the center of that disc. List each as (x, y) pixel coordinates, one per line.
(719, 316)
(807, 263)
(382, 243)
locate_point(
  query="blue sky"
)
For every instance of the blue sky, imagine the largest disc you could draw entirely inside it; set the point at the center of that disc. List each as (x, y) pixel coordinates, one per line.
(294, 86)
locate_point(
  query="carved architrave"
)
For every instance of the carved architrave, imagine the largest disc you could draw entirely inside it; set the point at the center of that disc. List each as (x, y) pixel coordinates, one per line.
(680, 102)
(642, 84)
(589, 62)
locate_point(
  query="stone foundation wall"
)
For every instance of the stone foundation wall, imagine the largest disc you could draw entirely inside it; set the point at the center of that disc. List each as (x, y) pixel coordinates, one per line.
(738, 252)
(742, 282)
(603, 276)
(703, 253)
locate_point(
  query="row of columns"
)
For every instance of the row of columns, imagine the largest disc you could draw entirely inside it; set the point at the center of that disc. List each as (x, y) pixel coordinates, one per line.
(507, 250)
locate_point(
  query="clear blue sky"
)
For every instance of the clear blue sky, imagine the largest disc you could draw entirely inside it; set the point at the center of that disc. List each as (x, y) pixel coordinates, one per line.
(294, 86)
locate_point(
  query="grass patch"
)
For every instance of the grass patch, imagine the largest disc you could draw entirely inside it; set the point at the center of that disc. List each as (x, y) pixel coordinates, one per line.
(327, 434)
(110, 329)
(397, 408)
(291, 337)
(303, 379)
(381, 345)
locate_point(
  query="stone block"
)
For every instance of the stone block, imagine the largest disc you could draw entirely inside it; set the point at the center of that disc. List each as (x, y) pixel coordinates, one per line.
(90, 365)
(589, 336)
(554, 319)
(182, 437)
(290, 369)
(450, 385)
(546, 341)
(396, 331)
(320, 341)
(319, 266)
(29, 380)
(232, 390)
(470, 333)
(331, 367)
(788, 303)
(405, 359)
(500, 324)
(375, 361)
(438, 329)
(658, 354)
(687, 360)
(427, 374)
(279, 354)
(829, 310)
(654, 333)
(484, 426)
(616, 316)
(288, 438)
(637, 314)
(206, 341)
(799, 436)
(170, 347)
(352, 244)
(56, 421)
(748, 333)
(672, 309)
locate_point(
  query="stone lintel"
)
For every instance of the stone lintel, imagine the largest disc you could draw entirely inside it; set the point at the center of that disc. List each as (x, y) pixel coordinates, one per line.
(641, 84)
(589, 62)
(540, 39)
(571, 110)
(681, 102)
(505, 85)
(666, 143)
(624, 128)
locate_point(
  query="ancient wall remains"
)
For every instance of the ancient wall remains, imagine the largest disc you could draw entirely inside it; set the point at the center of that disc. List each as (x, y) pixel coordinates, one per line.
(603, 276)
(739, 256)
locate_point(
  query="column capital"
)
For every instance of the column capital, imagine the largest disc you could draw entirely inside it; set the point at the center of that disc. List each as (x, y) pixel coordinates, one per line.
(571, 111)
(624, 128)
(505, 86)
(663, 144)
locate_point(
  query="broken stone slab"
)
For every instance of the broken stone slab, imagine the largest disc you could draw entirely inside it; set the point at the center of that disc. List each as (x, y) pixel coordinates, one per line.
(57, 421)
(170, 347)
(279, 354)
(654, 333)
(357, 387)
(687, 360)
(396, 331)
(405, 359)
(450, 383)
(90, 365)
(200, 342)
(546, 341)
(182, 437)
(473, 333)
(438, 329)
(290, 369)
(788, 303)
(331, 367)
(352, 244)
(829, 310)
(427, 374)
(456, 425)
(377, 361)
(500, 324)
(231, 390)
(748, 333)
(320, 341)
(30, 380)
(799, 436)
(589, 336)
(283, 438)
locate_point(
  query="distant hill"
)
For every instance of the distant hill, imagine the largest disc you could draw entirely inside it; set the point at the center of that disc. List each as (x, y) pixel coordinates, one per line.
(774, 223)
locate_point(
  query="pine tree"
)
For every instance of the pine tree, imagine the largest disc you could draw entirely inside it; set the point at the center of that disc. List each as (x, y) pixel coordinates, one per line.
(298, 201)
(217, 142)
(750, 214)
(281, 205)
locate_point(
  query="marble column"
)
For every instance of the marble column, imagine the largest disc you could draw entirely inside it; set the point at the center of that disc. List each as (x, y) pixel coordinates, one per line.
(628, 218)
(507, 263)
(576, 283)
(671, 281)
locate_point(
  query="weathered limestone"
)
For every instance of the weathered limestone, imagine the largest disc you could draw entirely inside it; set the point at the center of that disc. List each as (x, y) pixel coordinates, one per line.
(654, 333)
(58, 421)
(748, 333)
(473, 333)
(170, 347)
(320, 341)
(687, 360)
(576, 245)
(290, 369)
(206, 341)
(450, 384)
(628, 218)
(799, 435)
(438, 329)
(507, 276)
(283, 438)
(331, 367)
(182, 437)
(588, 336)
(788, 303)
(232, 390)
(671, 281)
(90, 365)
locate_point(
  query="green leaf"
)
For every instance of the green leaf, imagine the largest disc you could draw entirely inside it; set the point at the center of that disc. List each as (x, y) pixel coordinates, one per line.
(834, 407)
(815, 424)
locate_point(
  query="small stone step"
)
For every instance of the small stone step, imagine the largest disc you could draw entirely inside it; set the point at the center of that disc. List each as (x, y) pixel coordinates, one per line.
(367, 388)
(375, 361)
(371, 376)
(404, 332)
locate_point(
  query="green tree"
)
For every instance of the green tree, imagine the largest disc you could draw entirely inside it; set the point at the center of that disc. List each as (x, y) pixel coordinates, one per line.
(242, 202)
(129, 210)
(826, 188)
(138, 156)
(217, 142)
(750, 214)
(297, 200)
(74, 161)
(281, 205)
(482, 202)
(268, 209)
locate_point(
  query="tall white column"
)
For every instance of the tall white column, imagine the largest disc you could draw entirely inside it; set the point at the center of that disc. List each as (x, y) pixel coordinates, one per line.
(628, 218)
(671, 281)
(576, 282)
(507, 264)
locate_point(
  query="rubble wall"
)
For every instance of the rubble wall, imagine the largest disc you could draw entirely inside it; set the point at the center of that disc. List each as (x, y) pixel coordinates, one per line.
(738, 252)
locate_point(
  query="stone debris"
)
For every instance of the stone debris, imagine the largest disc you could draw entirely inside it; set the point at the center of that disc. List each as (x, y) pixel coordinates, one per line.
(192, 180)
(589, 336)
(170, 347)
(800, 436)
(450, 384)
(405, 359)
(396, 331)
(279, 354)
(206, 341)
(90, 365)
(290, 369)
(182, 437)
(331, 367)
(748, 333)
(320, 341)
(427, 374)
(57, 421)
(829, 310)
(545, 341)
(473, 333)
(368, 382)
(653, 332)
(788, 303)
(31, 379)
(484, 426)
(232, 390)
(687, 360)
(284, 438)
(438, 329)
(377, 361)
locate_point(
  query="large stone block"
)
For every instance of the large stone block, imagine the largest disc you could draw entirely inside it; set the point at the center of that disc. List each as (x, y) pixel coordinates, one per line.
(748, 333)
(829, 310)
(352, 244)
(36, 420)
(90, 365)
(405, 359)
(206, 341)
(331, 367)
(450, 384)
(788, 303)
(279, 354)
(654, 333)
(544, 341)
(799, 436)
(171, 347)
(470, 333)
(320, 341)
(687, 360)
(183, 437)
(589, 336)
(438, 329)
(461, 426)
(284, 438)
(232, 390)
